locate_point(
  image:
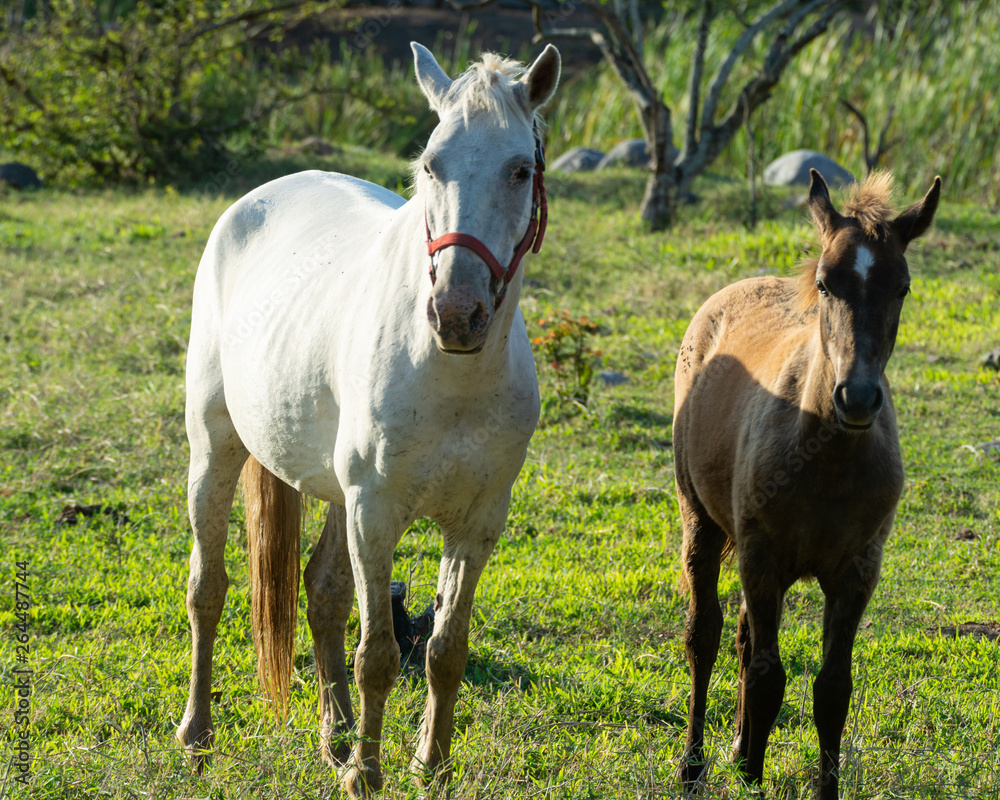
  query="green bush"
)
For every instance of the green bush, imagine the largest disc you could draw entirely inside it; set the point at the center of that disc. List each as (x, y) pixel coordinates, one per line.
(161, 91)
(565, 350)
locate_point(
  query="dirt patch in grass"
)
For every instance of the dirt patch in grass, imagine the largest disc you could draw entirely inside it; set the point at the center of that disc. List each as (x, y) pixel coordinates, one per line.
(990, 630)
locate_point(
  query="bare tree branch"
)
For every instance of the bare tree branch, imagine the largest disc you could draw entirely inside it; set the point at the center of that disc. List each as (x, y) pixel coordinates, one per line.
(872, 158)
(246, 16)
(740, 47)
(619, 37)
(758, 89)
(883, 147)
(864, 128)
(22, 89)
(695, 77)
(626, 47)
(472, 5)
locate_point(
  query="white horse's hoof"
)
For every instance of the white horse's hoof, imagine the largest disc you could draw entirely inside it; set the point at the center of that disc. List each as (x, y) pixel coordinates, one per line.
(360, 783)
(198, 747)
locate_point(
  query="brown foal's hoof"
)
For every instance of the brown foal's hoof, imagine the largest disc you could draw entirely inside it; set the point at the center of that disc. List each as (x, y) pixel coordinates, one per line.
(335, 753)
(690, 774)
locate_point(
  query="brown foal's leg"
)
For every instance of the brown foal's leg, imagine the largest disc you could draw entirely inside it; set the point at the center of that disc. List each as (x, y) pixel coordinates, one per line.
(846, 600)
(701, 552)
(330, 587)
(744, 652)
(763, 681)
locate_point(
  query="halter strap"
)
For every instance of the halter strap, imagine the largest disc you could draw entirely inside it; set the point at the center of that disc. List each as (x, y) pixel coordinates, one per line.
(532, 236)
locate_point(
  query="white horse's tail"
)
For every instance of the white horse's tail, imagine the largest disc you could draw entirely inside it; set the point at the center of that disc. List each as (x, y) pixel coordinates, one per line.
(274, 518)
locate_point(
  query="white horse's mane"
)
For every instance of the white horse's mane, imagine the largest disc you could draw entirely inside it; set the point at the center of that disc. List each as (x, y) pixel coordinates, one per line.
(488, 86)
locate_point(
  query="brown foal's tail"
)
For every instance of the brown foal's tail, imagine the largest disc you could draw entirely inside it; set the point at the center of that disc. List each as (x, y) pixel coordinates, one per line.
(274, 517)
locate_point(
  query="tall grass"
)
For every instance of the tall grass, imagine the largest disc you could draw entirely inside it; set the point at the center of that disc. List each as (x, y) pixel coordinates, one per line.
(938, 63)
(935, 62)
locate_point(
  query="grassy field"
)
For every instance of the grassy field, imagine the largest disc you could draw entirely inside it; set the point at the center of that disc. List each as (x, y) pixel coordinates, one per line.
(577, 682)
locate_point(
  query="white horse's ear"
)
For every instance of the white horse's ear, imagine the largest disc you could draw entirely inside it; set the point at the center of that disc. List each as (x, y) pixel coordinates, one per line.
(542, 77)
(434, 81)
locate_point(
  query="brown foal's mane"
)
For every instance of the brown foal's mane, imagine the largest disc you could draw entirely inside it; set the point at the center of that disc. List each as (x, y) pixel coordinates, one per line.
(806, 293)
(870, 203)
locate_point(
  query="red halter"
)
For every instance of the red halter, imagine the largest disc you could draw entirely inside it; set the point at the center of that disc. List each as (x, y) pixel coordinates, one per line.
(532, 237)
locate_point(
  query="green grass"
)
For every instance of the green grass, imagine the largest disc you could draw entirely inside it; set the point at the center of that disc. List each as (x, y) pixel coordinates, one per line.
(577, 682)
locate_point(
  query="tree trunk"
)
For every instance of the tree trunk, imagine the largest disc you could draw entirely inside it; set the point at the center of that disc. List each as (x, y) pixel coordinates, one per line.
(659, 201)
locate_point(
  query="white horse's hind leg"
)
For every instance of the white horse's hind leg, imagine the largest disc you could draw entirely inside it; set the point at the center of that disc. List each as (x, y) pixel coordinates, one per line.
(330, 588)
(372, 537)
(217, 455)
(463, 561)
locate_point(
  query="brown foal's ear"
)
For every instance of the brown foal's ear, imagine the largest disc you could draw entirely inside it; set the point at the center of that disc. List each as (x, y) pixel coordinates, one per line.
(823, 213)
(917, 218)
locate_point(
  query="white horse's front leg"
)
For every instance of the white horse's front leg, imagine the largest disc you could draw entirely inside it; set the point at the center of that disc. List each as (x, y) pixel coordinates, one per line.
(373, 532)
(211, 484)
(465, 556)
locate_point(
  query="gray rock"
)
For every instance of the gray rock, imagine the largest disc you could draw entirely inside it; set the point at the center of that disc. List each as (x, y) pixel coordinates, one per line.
(630, 153)
(792, 169)
(612, 378)
(317, 146)
(19, 176)
(579, 159)
(798, 201)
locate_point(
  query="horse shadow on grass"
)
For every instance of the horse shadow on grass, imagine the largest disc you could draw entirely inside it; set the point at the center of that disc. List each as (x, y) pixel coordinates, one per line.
(639, 428)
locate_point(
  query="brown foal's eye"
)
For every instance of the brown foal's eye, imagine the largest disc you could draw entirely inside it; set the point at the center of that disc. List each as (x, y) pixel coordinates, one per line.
(821, 287)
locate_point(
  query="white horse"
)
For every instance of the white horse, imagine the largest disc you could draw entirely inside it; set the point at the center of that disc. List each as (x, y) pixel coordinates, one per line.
(339, 350)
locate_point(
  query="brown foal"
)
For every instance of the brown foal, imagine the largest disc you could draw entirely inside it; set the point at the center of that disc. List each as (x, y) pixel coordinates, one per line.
(787, 452)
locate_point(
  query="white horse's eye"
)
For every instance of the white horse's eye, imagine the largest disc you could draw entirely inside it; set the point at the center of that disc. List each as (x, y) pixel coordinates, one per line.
(521, 174)
(427, 169)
